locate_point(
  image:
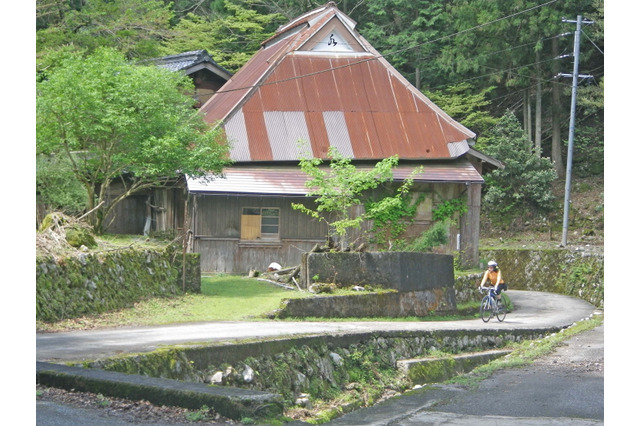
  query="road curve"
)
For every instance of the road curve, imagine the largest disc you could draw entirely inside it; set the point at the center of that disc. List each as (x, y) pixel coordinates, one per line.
(532, 310)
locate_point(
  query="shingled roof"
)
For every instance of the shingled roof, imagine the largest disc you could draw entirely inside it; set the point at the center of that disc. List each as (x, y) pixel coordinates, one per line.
(190, 62)
(317, 83)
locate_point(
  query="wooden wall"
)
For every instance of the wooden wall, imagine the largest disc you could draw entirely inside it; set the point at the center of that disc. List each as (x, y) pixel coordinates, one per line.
(216, 228)
(130, 214)
(217, 218)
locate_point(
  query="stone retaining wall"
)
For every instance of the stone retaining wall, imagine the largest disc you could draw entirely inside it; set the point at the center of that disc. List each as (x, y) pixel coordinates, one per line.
(94, 283)
(574, 272)
(318, 366)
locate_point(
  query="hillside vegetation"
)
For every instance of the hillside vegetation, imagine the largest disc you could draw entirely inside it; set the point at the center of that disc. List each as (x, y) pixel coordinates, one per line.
(586, 221)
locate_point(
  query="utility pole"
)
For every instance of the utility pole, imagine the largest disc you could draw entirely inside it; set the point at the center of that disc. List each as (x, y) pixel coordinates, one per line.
(572, 122)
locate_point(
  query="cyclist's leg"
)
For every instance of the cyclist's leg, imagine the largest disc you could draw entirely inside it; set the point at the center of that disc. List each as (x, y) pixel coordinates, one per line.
(499, 290)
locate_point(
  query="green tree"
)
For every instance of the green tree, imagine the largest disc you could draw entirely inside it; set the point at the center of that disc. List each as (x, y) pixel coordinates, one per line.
(232, 35)
(117, 121)
(391, 214)
(57, 188)
(340, 187)
(405, 32)
(466, 105)
(525, 182)
(134, 27)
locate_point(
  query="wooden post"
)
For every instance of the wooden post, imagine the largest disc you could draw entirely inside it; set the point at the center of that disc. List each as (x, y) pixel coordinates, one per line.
(470, 228)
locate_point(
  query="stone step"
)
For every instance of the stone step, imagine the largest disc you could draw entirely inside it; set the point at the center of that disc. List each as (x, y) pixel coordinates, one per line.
(439, 369)
(234, 403)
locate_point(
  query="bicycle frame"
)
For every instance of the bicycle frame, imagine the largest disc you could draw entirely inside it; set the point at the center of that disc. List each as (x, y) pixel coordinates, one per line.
(493, 309)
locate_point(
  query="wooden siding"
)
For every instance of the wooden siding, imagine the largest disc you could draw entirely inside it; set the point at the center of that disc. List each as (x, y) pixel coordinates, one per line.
(131, 213)
(217, 231)
(130, 216)
(218, 220)
(229, 256)
(219, 216)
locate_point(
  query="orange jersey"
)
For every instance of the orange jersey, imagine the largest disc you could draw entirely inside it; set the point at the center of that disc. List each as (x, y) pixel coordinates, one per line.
(494, 277)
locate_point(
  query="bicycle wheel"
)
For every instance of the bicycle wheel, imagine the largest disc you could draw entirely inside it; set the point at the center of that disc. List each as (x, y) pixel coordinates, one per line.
(486, 310)
(501, 311)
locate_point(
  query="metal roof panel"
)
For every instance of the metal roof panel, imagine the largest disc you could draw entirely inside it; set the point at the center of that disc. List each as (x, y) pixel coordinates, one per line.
(291, 180)
(358, 103)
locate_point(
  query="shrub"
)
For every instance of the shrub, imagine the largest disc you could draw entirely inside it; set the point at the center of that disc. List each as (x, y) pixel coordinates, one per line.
(525, 182)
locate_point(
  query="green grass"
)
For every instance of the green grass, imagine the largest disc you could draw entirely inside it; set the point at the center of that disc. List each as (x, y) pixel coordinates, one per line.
(222, 298)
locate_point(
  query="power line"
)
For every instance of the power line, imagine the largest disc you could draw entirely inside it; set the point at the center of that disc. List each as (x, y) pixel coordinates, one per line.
(375, 57)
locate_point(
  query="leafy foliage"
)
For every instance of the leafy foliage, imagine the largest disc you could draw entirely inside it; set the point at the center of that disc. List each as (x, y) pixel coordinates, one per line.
(113, 120)
(436, 235)
(391, 214)
(135, 28)
(466, 105)
(448, 208)
(340, 187)
(57, 188)
(525, 182)
(231, 35)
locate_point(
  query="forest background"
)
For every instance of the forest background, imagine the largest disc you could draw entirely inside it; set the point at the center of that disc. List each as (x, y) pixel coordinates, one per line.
(488, 64)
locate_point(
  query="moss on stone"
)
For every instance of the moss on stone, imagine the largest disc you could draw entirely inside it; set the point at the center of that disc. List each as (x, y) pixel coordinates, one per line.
(92, 283)
(78, 236)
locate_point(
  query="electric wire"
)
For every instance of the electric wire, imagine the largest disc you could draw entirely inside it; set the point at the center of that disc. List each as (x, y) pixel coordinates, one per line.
(375, 57)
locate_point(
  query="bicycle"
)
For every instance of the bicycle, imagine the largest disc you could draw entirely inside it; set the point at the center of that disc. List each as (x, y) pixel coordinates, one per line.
(490, 306)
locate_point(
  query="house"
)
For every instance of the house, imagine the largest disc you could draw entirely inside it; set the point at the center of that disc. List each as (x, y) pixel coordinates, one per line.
(162, 209)
(318, 84)
(207, 75)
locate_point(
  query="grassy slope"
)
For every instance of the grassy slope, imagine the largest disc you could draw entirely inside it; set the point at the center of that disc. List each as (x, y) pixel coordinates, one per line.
(223, 298)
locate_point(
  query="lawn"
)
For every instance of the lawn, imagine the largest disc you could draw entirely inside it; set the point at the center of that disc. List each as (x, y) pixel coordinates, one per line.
(222, 298)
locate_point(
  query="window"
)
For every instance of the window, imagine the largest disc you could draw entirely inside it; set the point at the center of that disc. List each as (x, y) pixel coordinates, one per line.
(260, 223)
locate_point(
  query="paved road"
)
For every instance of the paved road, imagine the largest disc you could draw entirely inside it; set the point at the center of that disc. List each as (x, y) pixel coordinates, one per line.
(533, 310)
(563, 388)
(525, 394)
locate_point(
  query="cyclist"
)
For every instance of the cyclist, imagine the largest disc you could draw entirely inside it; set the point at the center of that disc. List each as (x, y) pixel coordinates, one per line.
(493, 277)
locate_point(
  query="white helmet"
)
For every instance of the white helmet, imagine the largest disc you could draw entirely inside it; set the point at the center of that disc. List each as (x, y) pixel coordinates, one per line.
(492, 263)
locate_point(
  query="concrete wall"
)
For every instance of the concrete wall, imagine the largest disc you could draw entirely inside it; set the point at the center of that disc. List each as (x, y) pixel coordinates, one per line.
(423, 283)
(402, 271)
(394, 305)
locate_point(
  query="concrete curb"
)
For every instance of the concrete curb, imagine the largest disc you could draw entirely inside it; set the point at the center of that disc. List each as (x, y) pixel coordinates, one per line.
(438, 369)
(234, 403)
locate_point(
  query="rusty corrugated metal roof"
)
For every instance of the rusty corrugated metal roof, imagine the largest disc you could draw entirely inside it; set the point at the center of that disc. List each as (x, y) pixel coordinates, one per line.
(290, 180)
(297, 96)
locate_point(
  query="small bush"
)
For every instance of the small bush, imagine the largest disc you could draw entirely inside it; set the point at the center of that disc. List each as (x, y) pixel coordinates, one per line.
(435, 236)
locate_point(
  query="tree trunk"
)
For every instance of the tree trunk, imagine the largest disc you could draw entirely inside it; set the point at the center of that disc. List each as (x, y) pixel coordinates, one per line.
(538, 138)
(526, 110)
(556, 109)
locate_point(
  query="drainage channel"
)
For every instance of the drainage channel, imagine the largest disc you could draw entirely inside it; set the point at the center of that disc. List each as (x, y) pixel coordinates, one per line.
(258, 379)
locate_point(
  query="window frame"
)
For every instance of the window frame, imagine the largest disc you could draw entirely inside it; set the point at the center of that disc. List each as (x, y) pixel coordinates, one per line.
(255, 232)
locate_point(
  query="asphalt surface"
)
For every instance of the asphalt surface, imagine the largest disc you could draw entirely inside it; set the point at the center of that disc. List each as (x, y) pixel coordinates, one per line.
(563, 388)
(549, 394)
(532, 310)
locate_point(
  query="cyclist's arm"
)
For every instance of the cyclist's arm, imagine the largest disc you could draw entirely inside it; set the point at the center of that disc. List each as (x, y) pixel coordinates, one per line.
(484, 278)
